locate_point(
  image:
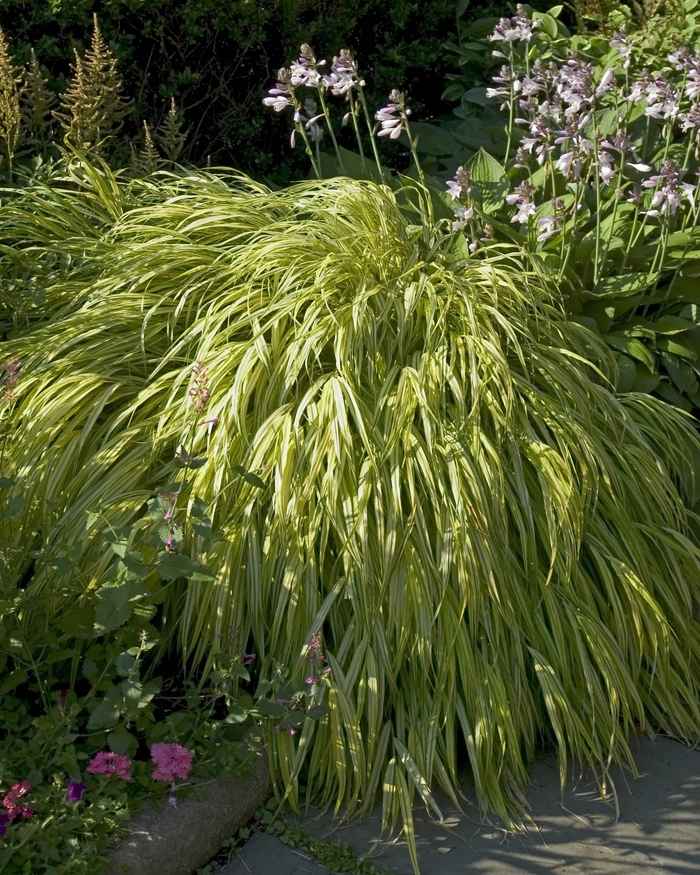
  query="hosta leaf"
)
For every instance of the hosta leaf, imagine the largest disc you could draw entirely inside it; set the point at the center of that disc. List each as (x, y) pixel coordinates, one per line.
(632, 347)
(488, 180)
(647, 379)
(627, 371)
(628, 284)
(677, 347)
(680, 372)
(672, 325)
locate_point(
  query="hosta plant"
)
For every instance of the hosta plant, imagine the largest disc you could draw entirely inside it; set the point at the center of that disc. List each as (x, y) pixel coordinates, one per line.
(435, 513)
(593, 172)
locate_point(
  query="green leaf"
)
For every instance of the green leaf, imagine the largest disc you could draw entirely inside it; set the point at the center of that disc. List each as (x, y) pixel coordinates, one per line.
(632, 347)
(13, 680)
(434, 140)
(672, 325)
(249, 477)
(295, 719)
(489, 181)
(236, 714)
(6, 482)
(105, 714)
(240, 671)
(549, 25)
(647, 379)
(680, 372)
(629, 284)
(122, 742)
(316, 712)
(198, 508)
(13, 507)
(627, 371)
(174, 565)
(677, 347)
(268, 708)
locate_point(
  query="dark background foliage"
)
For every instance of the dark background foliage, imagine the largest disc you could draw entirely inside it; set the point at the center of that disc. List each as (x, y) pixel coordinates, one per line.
(218, 57)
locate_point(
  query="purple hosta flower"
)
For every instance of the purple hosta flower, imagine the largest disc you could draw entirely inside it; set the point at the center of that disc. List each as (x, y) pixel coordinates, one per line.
(663, 98)
(521, 159)
(281, 95)
(634, 196)
(172, 761)
(74, 790)
(519, 28)
(691, 119)
(574, 85)
(638, 91)
(669, 191)
(620, 142)
(304, 71)
(692, 84)
(522, 198)
(459, 186)
(541, 134)
(607, 82)
(199, 393)
(508, 84)
(343, 76)
(309, 118)
(107, 763)
(392, 116)
(621, 42)
(549, 222)
(606, 171)
(463, 215)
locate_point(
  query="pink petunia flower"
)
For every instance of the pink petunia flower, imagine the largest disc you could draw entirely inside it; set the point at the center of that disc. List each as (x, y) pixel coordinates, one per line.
(172, 761)
(107, 763)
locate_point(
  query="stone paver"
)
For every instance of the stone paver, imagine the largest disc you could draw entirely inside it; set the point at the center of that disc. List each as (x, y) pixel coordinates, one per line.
(657, 833)
(266, 855)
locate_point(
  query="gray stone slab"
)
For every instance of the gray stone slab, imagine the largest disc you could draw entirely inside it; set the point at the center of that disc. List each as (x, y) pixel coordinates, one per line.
(177, 841)
(266, 855)
(657, 833)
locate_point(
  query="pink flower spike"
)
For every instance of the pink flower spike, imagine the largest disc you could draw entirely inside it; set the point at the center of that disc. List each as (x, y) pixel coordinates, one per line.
(107, 763)
(172, 761)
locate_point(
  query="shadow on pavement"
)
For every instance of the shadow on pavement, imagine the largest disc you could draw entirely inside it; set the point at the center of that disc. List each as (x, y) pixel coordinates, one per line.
(658, 830)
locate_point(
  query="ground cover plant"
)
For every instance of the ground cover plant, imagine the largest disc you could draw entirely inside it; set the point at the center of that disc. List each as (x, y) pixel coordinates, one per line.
(439, 524)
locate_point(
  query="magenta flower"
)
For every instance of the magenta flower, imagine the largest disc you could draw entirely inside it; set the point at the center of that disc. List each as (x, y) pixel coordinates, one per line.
(10, 801)
(172, 761)
(107, 763)
(74, 790)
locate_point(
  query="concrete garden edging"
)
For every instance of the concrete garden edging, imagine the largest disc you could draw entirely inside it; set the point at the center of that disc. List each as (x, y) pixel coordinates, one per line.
(176, 841)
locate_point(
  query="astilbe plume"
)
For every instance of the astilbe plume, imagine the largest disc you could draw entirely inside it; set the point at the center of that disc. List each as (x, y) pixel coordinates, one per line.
(93, 106)
(171, 138)
(10, 113)
(37, 103)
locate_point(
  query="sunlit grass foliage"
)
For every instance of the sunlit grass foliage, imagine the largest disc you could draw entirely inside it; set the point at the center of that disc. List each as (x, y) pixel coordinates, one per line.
(491, 542)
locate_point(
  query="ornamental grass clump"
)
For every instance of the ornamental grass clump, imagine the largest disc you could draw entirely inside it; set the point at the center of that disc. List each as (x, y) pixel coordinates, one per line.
(432, 505)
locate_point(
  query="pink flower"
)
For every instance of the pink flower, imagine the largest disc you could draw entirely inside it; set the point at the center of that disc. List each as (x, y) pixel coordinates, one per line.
(10, 801)
(172, 761)
(107, 763)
